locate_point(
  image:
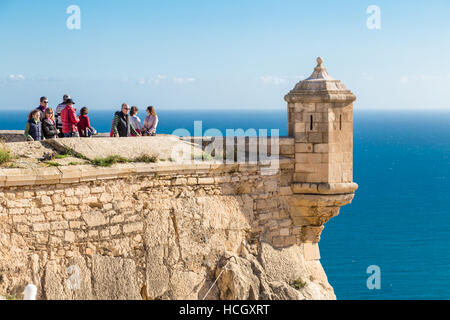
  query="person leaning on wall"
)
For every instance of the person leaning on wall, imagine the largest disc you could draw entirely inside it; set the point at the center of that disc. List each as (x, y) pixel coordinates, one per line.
(49, 125)
(122, 125)
(33, 128)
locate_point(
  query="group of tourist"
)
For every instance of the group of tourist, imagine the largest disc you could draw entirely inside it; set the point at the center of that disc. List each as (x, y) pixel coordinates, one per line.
(44, 123)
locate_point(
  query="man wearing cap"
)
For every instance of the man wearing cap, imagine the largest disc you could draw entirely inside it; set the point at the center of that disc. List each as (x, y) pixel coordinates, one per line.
(58, 110)
(69, 120)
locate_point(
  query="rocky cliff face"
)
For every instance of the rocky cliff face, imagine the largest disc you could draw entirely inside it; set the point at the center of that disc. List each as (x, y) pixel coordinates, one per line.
(166, 235)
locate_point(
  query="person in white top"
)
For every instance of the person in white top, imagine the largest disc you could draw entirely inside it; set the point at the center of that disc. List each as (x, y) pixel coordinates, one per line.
(135, 120)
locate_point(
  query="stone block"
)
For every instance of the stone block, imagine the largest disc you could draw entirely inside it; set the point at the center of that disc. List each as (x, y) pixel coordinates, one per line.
(69, 236)
(304, 147)
(205, 181)
(114, 279)
(278, 241)
(95, 190)
(315, 137)
(311, 251)
(59, 225)
(46, 176)
(285, 191)
(290, 241)
(95, 219)
(287, 150)
(133, 227)
(145, 168)
(39, 227)
(222, 179)
(71, 215)
(301, 137)
(300, 127)
(301, 158)
(312, 234)
(304, 188)
(20, 177)
(321, 148)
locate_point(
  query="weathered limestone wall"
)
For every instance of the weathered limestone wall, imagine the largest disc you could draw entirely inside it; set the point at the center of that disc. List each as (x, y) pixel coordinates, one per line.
(163, 229)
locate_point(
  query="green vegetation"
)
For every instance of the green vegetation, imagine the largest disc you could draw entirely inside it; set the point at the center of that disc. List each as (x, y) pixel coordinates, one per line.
(109, 161)
(201, 157)
(53, 164)
(74, 163)
(61, 156)
(5, 154)
(147, 159)
(69, 153)
(298, 284)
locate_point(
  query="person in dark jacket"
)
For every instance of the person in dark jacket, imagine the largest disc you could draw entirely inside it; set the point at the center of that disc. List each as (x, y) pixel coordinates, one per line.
(49, 125)
(122, 125)
(33, 128)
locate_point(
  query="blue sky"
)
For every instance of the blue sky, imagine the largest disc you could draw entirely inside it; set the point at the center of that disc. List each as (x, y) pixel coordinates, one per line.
(217, 54)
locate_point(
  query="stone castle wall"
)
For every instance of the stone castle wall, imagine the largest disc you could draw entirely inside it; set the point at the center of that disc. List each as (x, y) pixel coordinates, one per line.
(159, 231)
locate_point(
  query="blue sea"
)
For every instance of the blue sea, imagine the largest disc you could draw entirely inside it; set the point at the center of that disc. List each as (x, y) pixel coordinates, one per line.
(400, 217)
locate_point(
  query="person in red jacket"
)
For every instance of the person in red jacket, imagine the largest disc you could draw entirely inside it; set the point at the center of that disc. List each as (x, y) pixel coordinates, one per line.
(70, 120)
(84, 126)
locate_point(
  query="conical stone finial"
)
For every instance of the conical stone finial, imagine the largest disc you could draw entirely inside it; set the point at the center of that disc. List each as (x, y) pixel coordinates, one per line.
(319, 61)
(320, 86)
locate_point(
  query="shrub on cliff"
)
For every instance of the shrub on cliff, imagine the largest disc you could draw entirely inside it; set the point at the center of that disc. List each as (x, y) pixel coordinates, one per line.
(298, 284)
(146, 159)
(109, 161)
(5, 154)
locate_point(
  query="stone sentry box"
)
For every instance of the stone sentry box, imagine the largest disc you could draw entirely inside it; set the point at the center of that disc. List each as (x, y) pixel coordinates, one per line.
(320, 117)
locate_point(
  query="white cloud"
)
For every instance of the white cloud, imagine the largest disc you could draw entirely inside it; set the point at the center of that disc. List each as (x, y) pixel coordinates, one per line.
(281, 80)
(151, 81)
(424, 78)
(179, 80)
(16, 77)
(274, 80)
(158, 79)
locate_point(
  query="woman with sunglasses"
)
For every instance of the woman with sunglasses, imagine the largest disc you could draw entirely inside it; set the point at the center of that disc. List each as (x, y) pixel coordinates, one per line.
(49, 125)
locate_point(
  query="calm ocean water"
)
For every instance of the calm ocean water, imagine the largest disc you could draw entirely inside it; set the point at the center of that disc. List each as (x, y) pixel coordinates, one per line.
(400, 217)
